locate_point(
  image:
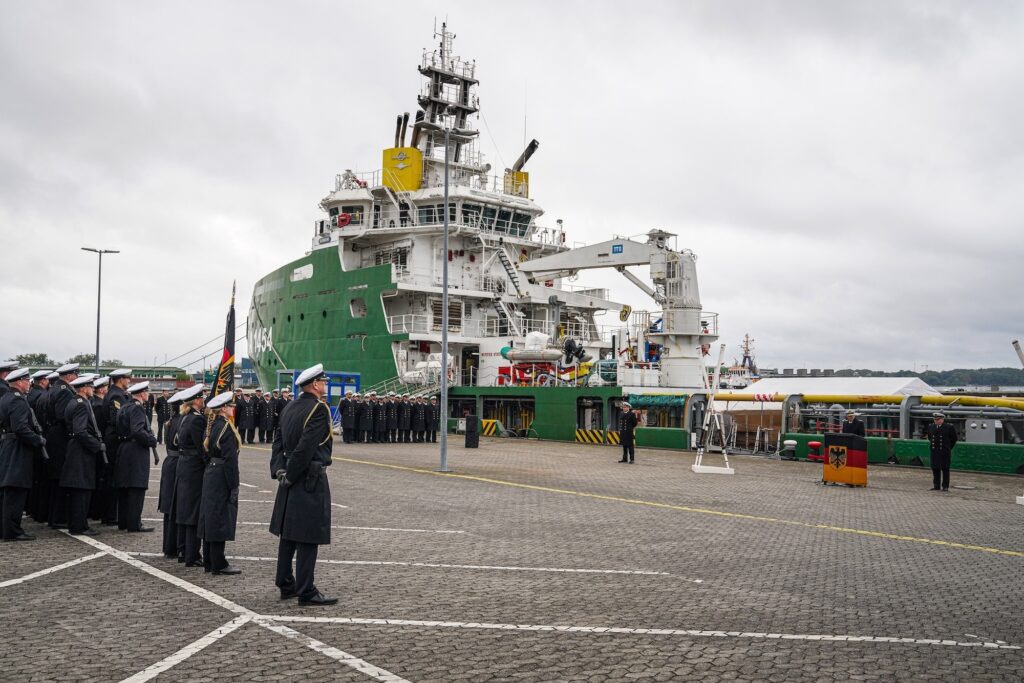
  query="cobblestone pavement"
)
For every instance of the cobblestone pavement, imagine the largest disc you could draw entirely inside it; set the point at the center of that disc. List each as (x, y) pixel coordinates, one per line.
(538, 561)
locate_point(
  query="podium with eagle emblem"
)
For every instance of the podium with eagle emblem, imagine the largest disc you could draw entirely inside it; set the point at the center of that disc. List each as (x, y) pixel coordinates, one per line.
(846, 460)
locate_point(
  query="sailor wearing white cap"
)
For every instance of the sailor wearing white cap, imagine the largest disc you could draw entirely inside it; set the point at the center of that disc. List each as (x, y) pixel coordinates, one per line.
(85, 453)
(404, 419)
(364, 418)
(131, 471)
(20, 440)
(188, 481)
(347, 410)
(37, 397)
(173, 547)
(6, 367)
(218, 511)
(106, 417)
(851, 425)
(58, 398)
(100, 500)
(942, 437)
(302, 508)
(627, 429)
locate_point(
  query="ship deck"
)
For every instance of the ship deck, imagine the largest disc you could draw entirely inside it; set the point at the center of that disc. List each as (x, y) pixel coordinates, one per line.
(550, 561)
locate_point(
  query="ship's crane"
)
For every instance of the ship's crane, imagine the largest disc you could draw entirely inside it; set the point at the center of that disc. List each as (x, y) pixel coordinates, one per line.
(674, 274)
(1020, 354)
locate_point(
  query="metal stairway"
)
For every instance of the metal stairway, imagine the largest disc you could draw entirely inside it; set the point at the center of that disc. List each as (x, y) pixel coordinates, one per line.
(505, 313)
(513, 276)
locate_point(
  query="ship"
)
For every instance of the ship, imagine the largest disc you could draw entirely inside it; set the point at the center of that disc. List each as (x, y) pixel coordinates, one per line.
(530, 353)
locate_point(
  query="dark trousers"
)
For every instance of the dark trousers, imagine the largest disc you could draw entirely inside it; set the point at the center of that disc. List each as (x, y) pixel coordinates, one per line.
(213, 556)
(433, 436)
(78, 510)
(129, 508)
(940, 473)
(159, 430)
(628, 450)
(11, 508)
(262, 434)
(58, 513)
(406, 436)
(191, 542)
(170, 543)
(305, 562)
(39, 504)
(248, 434)
(346, 434)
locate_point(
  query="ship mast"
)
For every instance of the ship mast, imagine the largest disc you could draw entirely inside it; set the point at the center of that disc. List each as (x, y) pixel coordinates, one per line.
(447, 100)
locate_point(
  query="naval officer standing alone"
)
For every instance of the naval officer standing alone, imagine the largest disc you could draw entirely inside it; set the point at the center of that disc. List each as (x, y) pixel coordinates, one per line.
(302, 508)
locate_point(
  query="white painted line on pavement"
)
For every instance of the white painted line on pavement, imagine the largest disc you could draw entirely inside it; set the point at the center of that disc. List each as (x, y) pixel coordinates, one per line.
(44, 572)
(184, 653)
(434, 565)
(332, 652)
(240, 500)
(210, 596)
(601, 630)
(339, 505)
(248, 485)
(376, 528)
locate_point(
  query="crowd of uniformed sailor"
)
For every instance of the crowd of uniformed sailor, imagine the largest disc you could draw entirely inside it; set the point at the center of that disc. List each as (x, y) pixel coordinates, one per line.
(388, 418)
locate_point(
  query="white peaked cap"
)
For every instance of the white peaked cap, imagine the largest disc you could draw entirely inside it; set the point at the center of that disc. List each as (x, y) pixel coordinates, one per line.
(220, 400)
(136, 388)
(311, 374)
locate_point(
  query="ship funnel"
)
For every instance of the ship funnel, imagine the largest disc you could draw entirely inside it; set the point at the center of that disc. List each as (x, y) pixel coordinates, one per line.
(416, 129)
(405, 126)
(398, 132)
(525, 156)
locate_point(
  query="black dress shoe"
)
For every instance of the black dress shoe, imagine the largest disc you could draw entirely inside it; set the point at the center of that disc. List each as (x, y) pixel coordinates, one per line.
(22, 537)
(934, 488)
(945, 489)
(288, 593)
(228, 571)
(169, 556)
(141, 530)
(181, 559)
(623, 460)
(57, 526)
(197, 563)
(318, 599)
(85, 532)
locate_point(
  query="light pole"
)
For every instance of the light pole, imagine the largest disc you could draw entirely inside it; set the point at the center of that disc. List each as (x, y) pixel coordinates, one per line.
(99, 289)
(465, 135)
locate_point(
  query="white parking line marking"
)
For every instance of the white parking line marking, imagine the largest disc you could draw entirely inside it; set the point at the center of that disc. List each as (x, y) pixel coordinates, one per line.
(435, 565)
(377, 528)
(250, 486)
(265, 622)
(184, 653)
(600, 630)
(339, 505)
(44, 572)
(240, 500)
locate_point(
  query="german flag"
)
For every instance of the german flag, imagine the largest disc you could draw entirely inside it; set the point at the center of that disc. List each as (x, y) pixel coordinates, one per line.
(225, 378)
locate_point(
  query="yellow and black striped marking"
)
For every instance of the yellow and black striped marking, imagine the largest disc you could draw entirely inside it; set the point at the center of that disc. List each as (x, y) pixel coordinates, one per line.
(612, 437)
(490, 427)
(589, 436)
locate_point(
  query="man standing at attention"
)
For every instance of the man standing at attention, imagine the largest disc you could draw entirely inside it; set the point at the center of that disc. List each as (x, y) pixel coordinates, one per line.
(627, 427)
(941, 437)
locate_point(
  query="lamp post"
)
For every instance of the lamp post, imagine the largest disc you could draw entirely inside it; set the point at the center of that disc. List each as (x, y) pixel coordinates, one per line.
(465, 135)
(99, 289)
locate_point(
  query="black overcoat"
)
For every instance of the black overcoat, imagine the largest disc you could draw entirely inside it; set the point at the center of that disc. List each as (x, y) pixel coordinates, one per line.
(21, 439)
(191, 466)
(131, 471)
(259, 409)
(404, 416)
(246, 411)
(627, 423)
(37, 401)
(380, 418)
(218, 511)
(302, 447)
(853, 426)
(112, 402)
(56, 430)
(347, 408)
(163, 409)
(391, 411)
(85, 446)
(169, 469)
(364, 416)
(419, 417)
(941, 440)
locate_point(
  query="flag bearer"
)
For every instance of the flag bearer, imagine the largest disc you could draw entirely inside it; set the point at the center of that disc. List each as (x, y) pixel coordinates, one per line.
(218, 509)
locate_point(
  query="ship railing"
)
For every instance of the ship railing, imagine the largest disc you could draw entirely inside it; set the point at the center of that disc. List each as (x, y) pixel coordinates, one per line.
(453, 65)
(422, 324)
(582, 331)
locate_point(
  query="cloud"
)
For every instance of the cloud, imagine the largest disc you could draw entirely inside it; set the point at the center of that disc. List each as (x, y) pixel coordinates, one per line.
(848, 173)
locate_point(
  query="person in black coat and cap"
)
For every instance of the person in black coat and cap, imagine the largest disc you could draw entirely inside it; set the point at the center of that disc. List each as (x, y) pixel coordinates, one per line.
(218, 510)
(188, 480)
(173, 542)
(942, 437)
(627, 430)
(131, 473)
(260, 415)
(21, 438)
(852, 425)
(85, 452)
(364, 420)
(302, 507)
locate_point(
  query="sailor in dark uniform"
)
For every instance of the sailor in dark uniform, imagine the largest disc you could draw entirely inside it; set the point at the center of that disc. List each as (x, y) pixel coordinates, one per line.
(173, 547)
(246, 411)
(218, 510)
(20, 438)
(405, 420)
(364, 419)
(380, 419)
(433, 419)
(188, 487)
(302, 508)
(260, 416)
(942, 437)
(852, 425)
(391, 418)
(117, 396)
(627, 428)
(85, 452)
(38, 496)
(419, 419)
(97, 501)
(59, 396)
(131, 473)
(163, 415)
(348, 417)
(6, 368)
(275, 413)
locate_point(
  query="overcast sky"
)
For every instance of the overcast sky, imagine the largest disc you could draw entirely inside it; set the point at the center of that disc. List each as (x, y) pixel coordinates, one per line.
(848, 173)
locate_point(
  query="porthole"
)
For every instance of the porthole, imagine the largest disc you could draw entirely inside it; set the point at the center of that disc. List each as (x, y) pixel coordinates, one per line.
(273, 321)
(302, 316)
(323, 313)
(289, 318)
